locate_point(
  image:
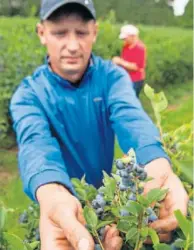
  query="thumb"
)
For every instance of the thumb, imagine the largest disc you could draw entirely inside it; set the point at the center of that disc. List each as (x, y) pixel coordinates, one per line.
(76, 233)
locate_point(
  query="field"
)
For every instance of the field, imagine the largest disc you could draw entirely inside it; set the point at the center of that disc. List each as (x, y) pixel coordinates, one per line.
(170, 72)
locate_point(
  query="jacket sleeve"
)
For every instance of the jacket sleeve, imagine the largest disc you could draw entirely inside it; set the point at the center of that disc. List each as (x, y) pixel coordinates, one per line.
(40, 159)
(132, 126)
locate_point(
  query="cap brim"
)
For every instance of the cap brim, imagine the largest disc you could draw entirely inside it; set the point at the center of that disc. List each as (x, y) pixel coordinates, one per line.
(122, 36)
(60, 4)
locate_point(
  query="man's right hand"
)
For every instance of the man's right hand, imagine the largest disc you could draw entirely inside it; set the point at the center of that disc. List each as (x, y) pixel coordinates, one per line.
(62, 225)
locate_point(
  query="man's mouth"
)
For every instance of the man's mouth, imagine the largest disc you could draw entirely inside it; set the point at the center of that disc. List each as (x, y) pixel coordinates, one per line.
(70, 59)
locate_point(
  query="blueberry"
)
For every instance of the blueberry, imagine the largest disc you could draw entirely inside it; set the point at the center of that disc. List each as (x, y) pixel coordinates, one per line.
(124, 212)
(152, 218)
(152, 215)
(37, 235)
(101, 193)
(139, 169)
(133, 189)
(99, 211)
(124, 173)
(126, 182)
(118, 172)
(149, 210)
(94, 204)
(132, 197)
(122, 187)
(129, 168)
(100, 201)
(101, 233)
(140, 190)
(97, 247)
(143, 176)
(23, 218)
(173, 247)
(119, 164)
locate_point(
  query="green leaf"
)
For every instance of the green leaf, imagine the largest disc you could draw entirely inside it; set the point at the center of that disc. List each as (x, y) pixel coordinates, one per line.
(134, 207)
(76, 183)
(131, 234)
(83, 180)
(3, 214)
(104, 223)
(179, 243)
(160, 102)
(82, 194)
(142, 200)
(152, 233)
(144, 232)
(184, 224)
(110, 186)
(156, 195)
(125, 224)
(186, 169)
(91, 193)
(34, 245)
(91, 217)
(115, 211)
(116, 177)
(149, 92)
(162, 247)
(14, 241)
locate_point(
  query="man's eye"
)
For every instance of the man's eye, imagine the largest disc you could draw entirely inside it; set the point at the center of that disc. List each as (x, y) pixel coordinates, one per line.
(82, 33)
(59, 33)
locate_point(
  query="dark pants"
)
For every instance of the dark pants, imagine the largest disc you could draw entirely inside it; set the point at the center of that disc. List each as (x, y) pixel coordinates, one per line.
(138, 87)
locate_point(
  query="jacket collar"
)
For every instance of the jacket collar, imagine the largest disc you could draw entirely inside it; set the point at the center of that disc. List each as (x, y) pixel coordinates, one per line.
(57, 78)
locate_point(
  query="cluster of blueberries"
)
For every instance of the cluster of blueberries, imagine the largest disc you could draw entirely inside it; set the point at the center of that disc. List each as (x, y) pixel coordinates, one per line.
(24, 219)
(128, 170)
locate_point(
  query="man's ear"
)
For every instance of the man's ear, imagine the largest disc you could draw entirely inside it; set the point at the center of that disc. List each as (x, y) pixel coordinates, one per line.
(95, 32)
(40, 30)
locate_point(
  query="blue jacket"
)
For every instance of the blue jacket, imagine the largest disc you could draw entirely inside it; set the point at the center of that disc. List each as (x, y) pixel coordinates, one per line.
(64, 132)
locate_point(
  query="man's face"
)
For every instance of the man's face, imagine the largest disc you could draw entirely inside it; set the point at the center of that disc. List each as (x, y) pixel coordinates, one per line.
(69, 42)
(130, 40)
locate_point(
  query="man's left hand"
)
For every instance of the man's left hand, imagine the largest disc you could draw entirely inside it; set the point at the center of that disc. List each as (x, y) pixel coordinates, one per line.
(176, 198)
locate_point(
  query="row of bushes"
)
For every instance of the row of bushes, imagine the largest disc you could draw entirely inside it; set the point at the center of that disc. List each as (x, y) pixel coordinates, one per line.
(137, 11)
(169, 55)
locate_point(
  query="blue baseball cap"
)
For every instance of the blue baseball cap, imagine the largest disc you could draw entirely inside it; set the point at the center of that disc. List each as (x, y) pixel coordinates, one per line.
(49, 6)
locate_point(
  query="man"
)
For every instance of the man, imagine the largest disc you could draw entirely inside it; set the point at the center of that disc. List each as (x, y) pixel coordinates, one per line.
(133, 56)
(65, 116)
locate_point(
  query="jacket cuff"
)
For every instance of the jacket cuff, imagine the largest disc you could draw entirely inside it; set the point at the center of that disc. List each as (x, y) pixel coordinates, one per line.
(149, 153)
(46, 177)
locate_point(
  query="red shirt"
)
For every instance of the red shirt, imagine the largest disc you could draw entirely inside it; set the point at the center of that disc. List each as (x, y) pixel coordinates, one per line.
(136, 54)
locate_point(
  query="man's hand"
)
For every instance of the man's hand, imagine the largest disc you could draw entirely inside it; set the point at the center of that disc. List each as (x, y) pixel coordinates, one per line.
(116, 60)
(112, 240)
(177, 198)
(62, 225)
(125, 64)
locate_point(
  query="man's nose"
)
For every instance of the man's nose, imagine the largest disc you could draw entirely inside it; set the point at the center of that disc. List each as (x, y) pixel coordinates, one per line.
(72, 44)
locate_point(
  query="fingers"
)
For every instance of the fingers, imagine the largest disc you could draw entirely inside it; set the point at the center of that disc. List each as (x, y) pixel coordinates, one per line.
(112, 241)
(115, 244)
(52, 237)
(165, 225)
(80, 215)
(76, 233)
(110, 232)
(163, 238)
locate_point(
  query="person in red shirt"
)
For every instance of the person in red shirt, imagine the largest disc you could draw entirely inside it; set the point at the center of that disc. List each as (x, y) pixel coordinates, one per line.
(133, 56)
